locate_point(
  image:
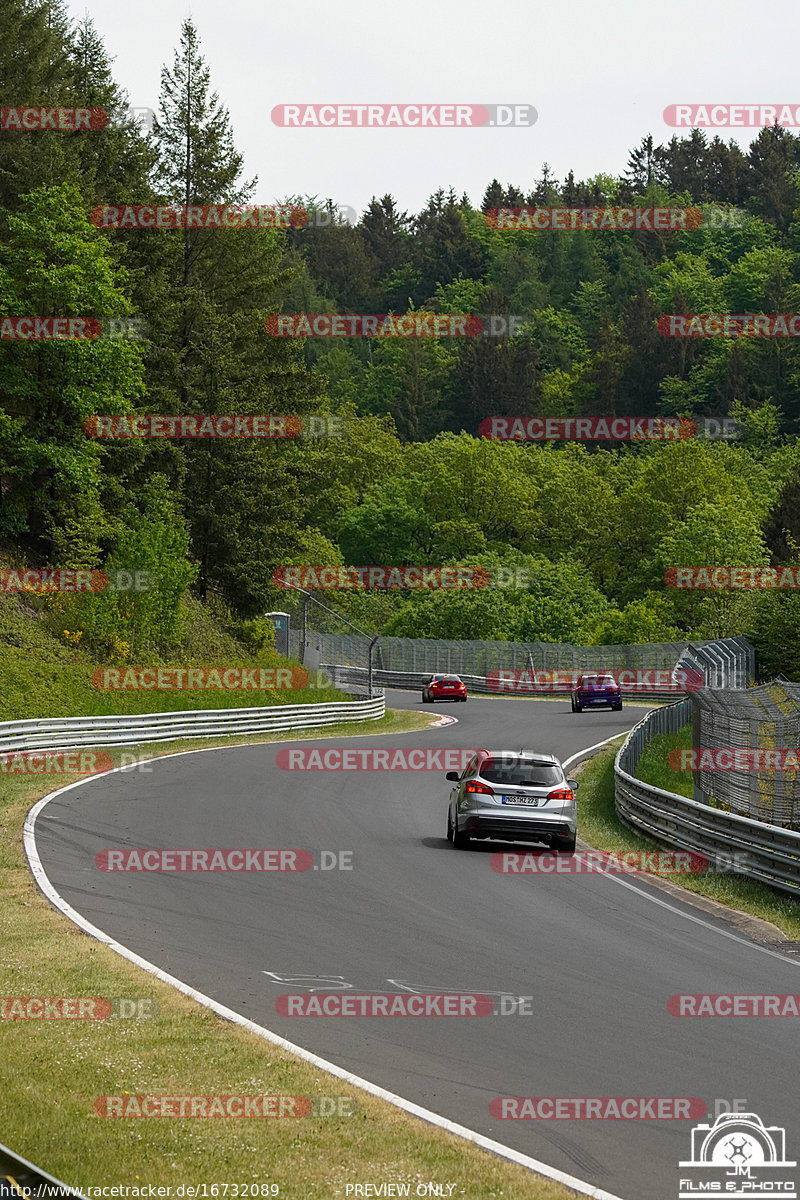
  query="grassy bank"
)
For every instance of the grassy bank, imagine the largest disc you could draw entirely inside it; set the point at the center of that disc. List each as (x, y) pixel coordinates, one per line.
(654, 768)
(45, 676)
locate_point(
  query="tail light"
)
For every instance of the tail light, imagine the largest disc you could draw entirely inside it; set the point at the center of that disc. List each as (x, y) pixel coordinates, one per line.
(482, 788)
(561, 794)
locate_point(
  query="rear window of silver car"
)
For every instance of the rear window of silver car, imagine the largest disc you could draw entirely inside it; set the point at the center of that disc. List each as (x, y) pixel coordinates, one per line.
(521, 772)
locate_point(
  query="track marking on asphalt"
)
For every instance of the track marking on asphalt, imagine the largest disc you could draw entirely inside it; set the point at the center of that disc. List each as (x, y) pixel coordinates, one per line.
(415, 1110)
(734, 937)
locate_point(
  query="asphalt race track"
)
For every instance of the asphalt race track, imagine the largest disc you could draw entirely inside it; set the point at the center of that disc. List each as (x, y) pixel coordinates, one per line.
(599, 955)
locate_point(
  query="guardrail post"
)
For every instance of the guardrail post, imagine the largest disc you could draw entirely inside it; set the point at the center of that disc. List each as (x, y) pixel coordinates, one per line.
(372, 646)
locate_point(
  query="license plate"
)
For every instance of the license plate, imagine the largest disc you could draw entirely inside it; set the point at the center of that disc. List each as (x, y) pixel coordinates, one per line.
(529, 801)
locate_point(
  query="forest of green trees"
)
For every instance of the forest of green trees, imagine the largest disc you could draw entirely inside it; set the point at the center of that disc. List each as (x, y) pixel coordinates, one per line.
(411, 481)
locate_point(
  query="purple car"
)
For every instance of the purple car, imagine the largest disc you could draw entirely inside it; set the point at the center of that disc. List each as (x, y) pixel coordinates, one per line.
(596, 689)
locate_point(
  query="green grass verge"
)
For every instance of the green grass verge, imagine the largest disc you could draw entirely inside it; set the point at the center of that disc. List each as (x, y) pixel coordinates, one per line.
(653, 767)
(599, 826)
(56, 1069)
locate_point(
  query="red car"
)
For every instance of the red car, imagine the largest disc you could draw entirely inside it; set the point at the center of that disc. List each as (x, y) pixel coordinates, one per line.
(443, 687)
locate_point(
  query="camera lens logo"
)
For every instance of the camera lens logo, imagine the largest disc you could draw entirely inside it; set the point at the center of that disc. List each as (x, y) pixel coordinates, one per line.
(737, 1155)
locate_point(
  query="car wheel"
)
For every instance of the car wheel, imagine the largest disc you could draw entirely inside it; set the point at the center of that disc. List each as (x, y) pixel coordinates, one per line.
(449, 825)
(425, 699)
(460, 840)
(463, 699)
(564, 845)
(617, 707)
(577, 706)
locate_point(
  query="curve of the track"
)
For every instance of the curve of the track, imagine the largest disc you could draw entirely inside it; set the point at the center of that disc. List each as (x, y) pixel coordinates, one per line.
(600, 957)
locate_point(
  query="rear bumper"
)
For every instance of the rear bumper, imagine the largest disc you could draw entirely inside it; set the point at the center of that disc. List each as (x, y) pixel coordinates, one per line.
(593, 700)
(536, 827)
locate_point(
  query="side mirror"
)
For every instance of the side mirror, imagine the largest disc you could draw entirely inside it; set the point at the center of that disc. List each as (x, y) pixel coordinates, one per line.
(573, 783)
(453, 776)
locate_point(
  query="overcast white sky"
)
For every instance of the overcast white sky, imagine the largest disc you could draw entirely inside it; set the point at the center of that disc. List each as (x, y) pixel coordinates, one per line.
(599, 75)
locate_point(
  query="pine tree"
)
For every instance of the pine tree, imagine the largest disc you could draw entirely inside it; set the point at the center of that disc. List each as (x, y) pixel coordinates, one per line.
(212, 290)
(443, 246)
(385, 232)
(641, 166)
(34, 70)
(493, 196)
(773, 183)
(114, 162)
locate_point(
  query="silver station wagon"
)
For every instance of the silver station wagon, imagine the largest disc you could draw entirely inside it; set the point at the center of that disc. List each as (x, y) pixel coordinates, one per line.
(513, 796)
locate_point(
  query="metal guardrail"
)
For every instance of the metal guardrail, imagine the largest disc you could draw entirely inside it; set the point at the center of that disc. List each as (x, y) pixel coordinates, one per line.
(343, 676)
(412, 680)
(753, 848)
(64, 733)
(20, 1178)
